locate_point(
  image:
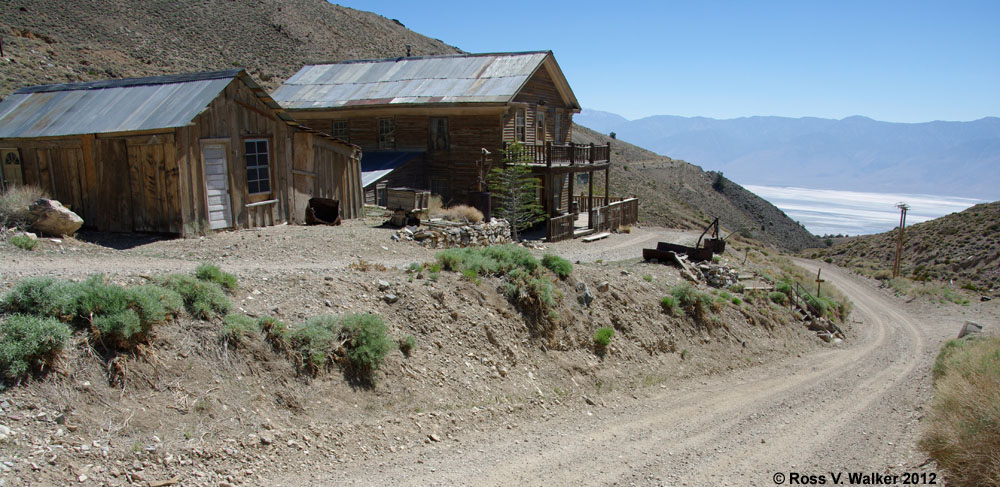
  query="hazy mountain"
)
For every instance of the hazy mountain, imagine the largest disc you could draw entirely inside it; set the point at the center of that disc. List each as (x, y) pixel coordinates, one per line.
(855, 153)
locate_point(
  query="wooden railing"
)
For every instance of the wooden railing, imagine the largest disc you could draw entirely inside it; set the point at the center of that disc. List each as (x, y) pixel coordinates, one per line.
(560, 227)
(583, 201)
(558, 154)
(261, 214)
(615, 215)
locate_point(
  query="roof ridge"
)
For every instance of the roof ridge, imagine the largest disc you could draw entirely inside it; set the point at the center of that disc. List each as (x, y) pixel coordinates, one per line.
(129, 82)
(434, 56)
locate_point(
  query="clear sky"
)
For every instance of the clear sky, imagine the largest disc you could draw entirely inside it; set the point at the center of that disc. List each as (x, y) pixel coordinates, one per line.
(897, 61)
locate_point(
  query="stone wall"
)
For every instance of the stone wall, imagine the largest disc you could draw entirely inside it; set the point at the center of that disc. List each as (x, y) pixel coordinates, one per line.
(444, 234)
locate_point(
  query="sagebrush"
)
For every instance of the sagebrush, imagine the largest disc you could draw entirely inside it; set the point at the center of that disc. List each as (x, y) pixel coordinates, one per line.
(30, 344)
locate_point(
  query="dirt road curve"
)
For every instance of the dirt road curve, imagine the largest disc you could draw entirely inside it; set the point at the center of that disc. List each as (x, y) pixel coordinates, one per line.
(852, 408)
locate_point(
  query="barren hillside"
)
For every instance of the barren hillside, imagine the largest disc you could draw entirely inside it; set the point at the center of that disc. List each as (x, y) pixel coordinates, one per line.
(962, 247)
(674, 193)
(60, 41)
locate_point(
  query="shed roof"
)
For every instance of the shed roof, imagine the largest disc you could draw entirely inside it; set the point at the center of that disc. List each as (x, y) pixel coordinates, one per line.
(121, 105)
(458, 78)
(376, 165)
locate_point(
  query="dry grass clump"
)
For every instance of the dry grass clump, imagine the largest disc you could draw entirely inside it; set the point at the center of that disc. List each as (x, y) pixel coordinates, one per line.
(14, 203)
(460, 213)
(963, 432)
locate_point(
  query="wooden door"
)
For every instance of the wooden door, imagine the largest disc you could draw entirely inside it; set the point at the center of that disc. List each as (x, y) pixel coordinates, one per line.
(220, 212)
(12, 175)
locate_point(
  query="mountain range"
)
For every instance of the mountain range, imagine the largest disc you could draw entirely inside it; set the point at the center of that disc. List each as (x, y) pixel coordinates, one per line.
(855, 153)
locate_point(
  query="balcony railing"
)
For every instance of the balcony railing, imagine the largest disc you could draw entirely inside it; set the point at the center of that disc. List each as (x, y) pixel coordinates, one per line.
(557, 154)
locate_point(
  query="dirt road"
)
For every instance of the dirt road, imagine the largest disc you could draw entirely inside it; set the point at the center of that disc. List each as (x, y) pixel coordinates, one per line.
(851, 408)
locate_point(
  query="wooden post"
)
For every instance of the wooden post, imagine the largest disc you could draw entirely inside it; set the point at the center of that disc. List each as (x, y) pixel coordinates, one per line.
(591, 153)
(899, 245)
(818, 281)
(590, 199)
(607, 186)
(572, 196)
(572, 153)
(548, 153)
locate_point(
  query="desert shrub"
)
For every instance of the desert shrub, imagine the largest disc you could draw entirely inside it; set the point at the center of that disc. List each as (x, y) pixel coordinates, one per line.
(366, 342)
(407, 344)
(559, 265)
(14, 204)
(647, 277)
(275, 331)
(120, 316)
(784, 287)
(692, 300)
(460, 213)
(603, 336)
(492, 260)
(42, 296)
(236, 329)
(203, 299)
(30, 343)
(212, 273)
(818, 306)
(737, 301)
(778, 297)
(669, 304)
(24, 242)
(314, 341)
(963, 432)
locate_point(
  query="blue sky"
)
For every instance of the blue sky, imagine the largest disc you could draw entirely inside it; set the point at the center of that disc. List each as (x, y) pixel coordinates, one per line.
(897, 61)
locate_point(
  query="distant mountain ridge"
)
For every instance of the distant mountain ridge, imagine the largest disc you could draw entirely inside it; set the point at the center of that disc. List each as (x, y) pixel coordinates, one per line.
(854, 153)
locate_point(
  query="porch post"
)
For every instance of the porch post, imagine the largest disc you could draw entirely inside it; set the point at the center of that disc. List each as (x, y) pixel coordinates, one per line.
(590, 199)
(572, 195)
(607, 186)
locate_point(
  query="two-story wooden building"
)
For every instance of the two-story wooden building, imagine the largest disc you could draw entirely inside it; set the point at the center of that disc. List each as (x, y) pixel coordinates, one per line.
(428, 122)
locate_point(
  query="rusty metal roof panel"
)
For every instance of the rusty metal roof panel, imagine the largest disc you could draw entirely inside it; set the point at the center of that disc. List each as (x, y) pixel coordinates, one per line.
(110, 106)
(433, 79)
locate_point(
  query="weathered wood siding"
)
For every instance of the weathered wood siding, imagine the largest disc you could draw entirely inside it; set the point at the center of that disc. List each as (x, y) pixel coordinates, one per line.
(325, 169)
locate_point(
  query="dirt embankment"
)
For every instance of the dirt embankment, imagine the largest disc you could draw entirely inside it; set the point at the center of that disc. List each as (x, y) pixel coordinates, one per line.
(193, 408)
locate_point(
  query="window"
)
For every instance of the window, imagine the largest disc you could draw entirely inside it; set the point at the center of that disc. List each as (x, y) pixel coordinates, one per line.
(558, 135)
(258, 157)
(339, 129)
(439, 133)
(539, 125)
(386, 133)
(11, 174)
(519, 126)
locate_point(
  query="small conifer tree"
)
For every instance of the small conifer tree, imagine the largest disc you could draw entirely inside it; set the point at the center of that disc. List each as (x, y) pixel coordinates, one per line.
(514, 192)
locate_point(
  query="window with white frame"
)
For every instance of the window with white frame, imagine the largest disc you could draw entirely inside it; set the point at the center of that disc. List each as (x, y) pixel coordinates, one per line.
(386, 133)
(341, 130)
(258, 157)
(520, 133)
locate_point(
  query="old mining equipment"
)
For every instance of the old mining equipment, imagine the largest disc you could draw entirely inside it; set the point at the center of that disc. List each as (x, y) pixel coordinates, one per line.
(700, 252)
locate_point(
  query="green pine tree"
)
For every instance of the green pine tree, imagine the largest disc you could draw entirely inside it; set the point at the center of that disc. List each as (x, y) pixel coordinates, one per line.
(514, 193)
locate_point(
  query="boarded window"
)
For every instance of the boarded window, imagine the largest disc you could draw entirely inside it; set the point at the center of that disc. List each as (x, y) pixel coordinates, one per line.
(519, 126)
(439, 133)
(258, 156)
(386, 133)
(341, 130)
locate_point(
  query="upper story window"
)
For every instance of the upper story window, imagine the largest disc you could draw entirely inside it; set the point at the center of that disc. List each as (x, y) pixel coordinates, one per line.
(520, 132)
(386, 133)
(339, 129)
(439, 133)
(558, 135)
(258, 157)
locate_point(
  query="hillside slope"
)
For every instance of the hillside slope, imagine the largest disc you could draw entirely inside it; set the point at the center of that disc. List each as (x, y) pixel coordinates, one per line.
(675, 193)
(60, 41)
(963, 247)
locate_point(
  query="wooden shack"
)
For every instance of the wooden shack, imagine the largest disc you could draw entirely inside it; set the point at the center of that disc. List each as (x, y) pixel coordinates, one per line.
(441, 122)
(178, 154)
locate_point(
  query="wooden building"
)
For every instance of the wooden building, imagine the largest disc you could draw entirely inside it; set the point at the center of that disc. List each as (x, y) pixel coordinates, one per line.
(179, 154)
(429, 122)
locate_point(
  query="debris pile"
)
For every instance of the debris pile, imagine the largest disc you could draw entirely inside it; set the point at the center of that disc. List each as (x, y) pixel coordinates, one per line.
(720, 276)
(443, 234)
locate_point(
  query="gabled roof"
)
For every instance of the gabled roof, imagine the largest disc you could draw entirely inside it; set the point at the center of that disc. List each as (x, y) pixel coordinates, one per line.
(121, 105)
(457, 78)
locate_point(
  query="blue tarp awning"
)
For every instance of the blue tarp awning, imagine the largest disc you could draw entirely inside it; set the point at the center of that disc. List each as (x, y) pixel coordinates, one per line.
(376, 165)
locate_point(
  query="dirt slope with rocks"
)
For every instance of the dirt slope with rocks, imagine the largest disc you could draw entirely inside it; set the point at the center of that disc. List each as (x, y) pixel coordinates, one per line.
(962, 247)
(62, 41)
(189, 406)
(678, 194)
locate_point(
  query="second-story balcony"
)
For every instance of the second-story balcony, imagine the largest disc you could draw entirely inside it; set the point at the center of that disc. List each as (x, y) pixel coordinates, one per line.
(586, 156)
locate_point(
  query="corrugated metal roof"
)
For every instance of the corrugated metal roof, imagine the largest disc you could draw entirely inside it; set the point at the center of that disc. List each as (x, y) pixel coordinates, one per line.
(376, 165)
(462, 78)
(110, 106)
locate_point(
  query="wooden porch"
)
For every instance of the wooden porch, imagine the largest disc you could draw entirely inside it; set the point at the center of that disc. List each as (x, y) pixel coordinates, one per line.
(560, 155)
(590, 218)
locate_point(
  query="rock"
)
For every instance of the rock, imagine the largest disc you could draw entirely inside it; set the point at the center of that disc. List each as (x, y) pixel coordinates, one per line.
(438, 295)
(383, 285)
(266, 438)
(589, 401)
(5, 432)
(603, 286)
(52, 218)
(970, 328)
(434, 438)
(390, 298)
(587, 297)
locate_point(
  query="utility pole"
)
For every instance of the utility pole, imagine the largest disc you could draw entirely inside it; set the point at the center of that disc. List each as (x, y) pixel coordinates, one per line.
(899, 245)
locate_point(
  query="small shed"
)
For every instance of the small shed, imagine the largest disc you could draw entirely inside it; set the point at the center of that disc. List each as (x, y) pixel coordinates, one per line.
(178, 154)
